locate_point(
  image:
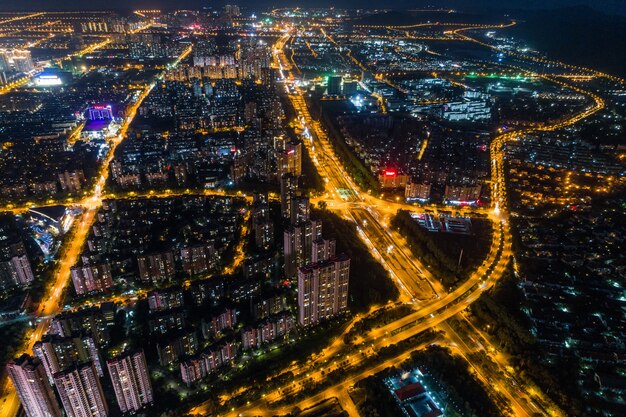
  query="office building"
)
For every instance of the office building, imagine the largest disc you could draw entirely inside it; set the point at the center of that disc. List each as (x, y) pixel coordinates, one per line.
(100, 112)
(5, 65)
(334, 85)
(474, 106)
(18, 60)
(390, 178)
(131, 381)
(323, 289)
(350, 87)
(29, 378)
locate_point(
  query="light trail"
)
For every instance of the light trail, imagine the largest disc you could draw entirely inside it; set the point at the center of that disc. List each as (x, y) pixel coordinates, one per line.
(21, 17)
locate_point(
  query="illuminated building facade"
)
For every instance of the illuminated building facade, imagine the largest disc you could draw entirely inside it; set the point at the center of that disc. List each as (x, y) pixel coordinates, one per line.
(29, 378)
(81, 392)
(131, 381)
(323, 290)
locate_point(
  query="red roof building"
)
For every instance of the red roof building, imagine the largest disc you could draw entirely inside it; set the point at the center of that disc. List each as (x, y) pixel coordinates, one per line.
(409, 391)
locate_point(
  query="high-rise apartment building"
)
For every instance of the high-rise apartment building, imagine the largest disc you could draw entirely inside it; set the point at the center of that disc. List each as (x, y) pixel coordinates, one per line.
(91, 278)
(288, 191)
(289, 159)
(322, 249)
(323, 289)
(16, 271)
(131, 381)
(298, 245)
(57, 352)
(166, 298)
(199, 259)
(262, 225)
(300, 210)
(156, 268)
(90, 320)
(29, 378)
(15, 267)
(81, 392)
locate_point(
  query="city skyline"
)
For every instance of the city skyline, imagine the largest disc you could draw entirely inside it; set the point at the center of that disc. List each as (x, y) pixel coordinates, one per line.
(268, 211)
(611, 6)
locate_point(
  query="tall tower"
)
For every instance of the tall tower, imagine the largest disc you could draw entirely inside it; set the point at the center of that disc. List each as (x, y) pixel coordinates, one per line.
(29, 378)
(80, 391)
(131, 381)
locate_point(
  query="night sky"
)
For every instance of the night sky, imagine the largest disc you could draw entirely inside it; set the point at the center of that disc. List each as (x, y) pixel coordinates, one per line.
(610, 6)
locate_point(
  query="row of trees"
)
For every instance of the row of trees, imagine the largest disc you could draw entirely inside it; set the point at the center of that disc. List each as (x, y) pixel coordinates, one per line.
(442, 251)
(355, 167)
(460, 385)
(338, 375)
(369, 282)
(312, 179)
(501, 308)
(378, 319)
(13, 338)
(461, 390)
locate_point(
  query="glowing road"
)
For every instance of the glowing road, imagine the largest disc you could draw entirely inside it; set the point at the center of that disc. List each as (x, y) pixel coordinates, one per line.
(434, 304)
(70, 252)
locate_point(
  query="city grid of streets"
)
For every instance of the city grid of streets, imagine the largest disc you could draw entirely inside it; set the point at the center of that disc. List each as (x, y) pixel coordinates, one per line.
(52, 303)
(432, 303)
